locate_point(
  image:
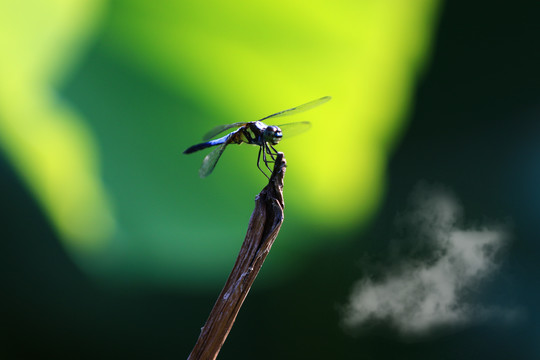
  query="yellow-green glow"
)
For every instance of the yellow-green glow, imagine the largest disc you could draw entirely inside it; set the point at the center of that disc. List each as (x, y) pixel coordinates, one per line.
(48, 143)
(250, 58)
(225, 61)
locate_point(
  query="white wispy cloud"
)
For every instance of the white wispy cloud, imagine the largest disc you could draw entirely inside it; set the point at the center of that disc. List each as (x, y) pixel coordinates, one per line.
(421, 295)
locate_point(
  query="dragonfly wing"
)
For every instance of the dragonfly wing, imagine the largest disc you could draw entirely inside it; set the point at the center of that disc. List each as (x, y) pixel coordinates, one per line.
(295, 110)
(210, 161)
(293, 129)
(299, 108)
(221, 128)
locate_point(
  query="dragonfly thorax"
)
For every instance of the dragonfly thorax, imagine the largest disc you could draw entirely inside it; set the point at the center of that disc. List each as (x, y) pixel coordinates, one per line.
(272, 134)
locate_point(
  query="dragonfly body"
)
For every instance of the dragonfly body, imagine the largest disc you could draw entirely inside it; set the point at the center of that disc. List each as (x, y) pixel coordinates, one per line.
(253, 133)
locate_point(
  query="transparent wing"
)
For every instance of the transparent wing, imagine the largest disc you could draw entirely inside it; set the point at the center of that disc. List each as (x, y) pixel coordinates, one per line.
(293, 129)
(300, 108)
(221, 128)
(210, 161)
(295, 110)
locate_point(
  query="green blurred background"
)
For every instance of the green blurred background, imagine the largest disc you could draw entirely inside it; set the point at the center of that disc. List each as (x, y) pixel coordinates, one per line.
(112, 247)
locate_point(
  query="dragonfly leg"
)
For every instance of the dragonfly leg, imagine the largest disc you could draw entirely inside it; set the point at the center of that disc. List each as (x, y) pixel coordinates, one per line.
(270, 152)
(266, 150)
(258, 161)
(274, 149)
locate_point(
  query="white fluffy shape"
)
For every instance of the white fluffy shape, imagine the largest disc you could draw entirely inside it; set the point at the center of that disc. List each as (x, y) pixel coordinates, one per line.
(422, 296)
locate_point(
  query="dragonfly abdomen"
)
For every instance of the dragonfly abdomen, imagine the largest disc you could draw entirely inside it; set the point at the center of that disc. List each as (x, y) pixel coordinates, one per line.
(206, 144)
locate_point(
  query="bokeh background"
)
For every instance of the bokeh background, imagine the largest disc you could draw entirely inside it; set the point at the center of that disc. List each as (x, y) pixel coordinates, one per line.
(112, 247)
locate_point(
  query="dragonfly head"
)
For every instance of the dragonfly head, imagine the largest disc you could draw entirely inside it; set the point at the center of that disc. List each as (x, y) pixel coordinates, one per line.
(272, 134)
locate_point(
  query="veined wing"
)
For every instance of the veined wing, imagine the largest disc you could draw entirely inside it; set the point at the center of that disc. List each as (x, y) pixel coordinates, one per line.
(210, 161)
(300, 108)
(293, 129)
(295, 110)
(221, 128)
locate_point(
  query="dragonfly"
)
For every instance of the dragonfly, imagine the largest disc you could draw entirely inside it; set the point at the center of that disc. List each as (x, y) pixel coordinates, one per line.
(254, 133)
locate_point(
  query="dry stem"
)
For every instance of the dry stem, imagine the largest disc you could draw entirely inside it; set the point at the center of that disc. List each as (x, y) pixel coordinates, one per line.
(263, 229)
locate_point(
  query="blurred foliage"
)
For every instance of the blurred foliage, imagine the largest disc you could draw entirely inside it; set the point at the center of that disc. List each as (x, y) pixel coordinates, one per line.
(48, 143)
(249, 59)
(158, 77)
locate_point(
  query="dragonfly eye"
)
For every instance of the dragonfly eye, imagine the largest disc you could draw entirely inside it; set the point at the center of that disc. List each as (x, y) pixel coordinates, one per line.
(272, 134)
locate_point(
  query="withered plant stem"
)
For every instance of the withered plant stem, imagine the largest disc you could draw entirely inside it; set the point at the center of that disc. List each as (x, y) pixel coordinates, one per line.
(263, 228)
